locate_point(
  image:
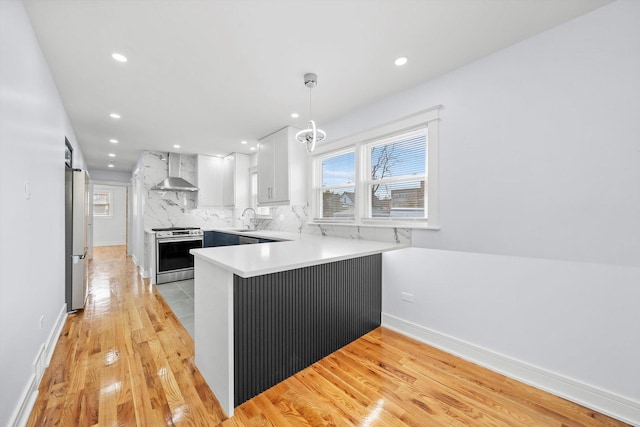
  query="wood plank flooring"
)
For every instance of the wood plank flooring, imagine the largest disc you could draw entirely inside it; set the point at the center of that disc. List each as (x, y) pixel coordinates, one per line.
(127, 361)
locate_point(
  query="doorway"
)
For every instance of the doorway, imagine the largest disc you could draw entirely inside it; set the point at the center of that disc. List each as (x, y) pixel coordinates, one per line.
(110, 214)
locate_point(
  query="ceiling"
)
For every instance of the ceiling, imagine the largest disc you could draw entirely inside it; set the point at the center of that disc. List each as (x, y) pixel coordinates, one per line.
(209, 74)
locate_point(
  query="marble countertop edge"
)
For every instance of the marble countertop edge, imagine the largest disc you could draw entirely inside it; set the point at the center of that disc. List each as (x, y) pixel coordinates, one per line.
(308, 250)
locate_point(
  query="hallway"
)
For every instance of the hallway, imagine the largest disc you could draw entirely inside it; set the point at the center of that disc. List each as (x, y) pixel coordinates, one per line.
(125, 360)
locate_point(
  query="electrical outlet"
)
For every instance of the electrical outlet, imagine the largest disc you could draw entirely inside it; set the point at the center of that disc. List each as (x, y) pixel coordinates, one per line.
(405, 296)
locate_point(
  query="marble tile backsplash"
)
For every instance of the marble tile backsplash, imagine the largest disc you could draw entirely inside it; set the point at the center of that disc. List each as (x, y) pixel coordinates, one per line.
(176, 208)
(179, 208)
(293, 219)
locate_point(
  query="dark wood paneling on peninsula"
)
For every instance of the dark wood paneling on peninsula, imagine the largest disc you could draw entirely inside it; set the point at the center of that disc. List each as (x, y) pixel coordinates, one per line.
(286, 321)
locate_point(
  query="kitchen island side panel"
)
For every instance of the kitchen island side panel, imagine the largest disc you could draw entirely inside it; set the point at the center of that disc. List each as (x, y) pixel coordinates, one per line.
(286, 321)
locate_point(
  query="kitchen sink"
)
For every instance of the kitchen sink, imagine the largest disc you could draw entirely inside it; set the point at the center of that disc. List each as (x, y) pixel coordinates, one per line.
(246, 240)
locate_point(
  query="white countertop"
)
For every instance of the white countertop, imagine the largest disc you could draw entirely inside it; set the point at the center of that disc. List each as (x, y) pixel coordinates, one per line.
(302, 250)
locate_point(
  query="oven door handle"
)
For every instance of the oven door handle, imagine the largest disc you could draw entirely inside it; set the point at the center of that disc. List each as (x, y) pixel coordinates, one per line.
(178, 239)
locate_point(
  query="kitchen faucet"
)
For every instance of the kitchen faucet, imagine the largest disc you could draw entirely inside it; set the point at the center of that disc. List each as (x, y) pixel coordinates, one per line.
(254, 217)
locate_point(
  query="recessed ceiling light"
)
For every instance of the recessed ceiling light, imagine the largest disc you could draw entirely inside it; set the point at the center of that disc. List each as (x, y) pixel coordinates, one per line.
(243, 142)
(111, 155)
(253, 148)
(119, 57)
(176, 146)
(114, 115)
(295, 115)
(111, 165)
(401, 61)
(113, 141)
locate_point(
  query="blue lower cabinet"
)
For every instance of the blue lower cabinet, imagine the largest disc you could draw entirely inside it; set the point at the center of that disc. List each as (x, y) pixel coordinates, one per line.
(217, 238)
(227, 239)
(209, 238)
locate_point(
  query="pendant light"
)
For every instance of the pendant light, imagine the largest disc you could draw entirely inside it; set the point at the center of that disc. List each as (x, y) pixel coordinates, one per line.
(312, 134)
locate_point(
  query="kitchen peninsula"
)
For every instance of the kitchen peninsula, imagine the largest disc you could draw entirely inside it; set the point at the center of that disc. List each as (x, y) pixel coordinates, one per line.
(266, 311)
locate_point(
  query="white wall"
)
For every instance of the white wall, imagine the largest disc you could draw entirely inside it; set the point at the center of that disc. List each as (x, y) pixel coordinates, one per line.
(137, 215)
(33, 125)
(111, 230)
(539, 150)
(108, 175)
(567, 327)
(539, 161)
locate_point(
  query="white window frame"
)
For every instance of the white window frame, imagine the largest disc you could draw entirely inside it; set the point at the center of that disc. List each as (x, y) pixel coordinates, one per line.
(317, 194)
(366, 181)
(361, 142)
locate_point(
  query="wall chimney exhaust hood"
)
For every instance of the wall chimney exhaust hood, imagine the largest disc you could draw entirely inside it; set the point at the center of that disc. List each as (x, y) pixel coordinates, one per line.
(174, 182)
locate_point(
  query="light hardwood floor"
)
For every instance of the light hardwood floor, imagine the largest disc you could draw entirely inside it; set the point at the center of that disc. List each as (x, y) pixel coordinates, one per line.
(127, 361)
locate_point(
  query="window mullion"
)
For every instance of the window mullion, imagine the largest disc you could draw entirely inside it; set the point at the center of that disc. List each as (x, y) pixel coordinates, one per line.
(392, 179)
(361, 194)
(333, 187)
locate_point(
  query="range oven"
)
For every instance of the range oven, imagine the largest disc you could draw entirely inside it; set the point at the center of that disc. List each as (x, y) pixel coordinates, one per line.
(173, 260)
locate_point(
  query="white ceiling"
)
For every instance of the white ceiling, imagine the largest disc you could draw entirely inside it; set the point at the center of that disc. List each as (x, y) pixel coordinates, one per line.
(208, 74)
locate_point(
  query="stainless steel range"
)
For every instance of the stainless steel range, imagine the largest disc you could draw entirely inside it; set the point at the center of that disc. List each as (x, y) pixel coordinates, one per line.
(173, 260)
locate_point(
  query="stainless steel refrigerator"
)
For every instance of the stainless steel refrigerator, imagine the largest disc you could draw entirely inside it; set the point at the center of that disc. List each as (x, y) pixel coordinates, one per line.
(76, 220)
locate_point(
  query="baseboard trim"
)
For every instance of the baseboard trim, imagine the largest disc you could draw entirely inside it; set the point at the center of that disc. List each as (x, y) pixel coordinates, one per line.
(55, 333)
(109, 244)
(141, 270)
(30, 394)
(603, 401)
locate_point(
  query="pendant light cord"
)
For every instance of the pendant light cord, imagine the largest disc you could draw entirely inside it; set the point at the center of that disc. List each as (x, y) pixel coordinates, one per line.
(310, 104)
(312, 134)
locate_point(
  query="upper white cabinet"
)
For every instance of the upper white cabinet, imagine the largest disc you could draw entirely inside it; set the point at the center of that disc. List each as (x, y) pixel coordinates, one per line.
(235, 180)
(282, 163)
(223, 182)
(209, 181)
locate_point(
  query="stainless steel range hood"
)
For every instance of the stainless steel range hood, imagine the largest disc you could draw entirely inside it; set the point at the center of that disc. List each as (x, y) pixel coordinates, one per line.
(174, 182)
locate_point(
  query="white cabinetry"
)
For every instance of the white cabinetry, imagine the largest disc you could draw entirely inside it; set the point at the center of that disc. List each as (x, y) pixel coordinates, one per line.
(282, 163)
(209, 181)
(235, 180)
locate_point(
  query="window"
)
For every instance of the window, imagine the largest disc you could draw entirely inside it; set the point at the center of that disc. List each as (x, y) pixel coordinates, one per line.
(102, 204)
(396, 181)
(383, 176)
(338, 188)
